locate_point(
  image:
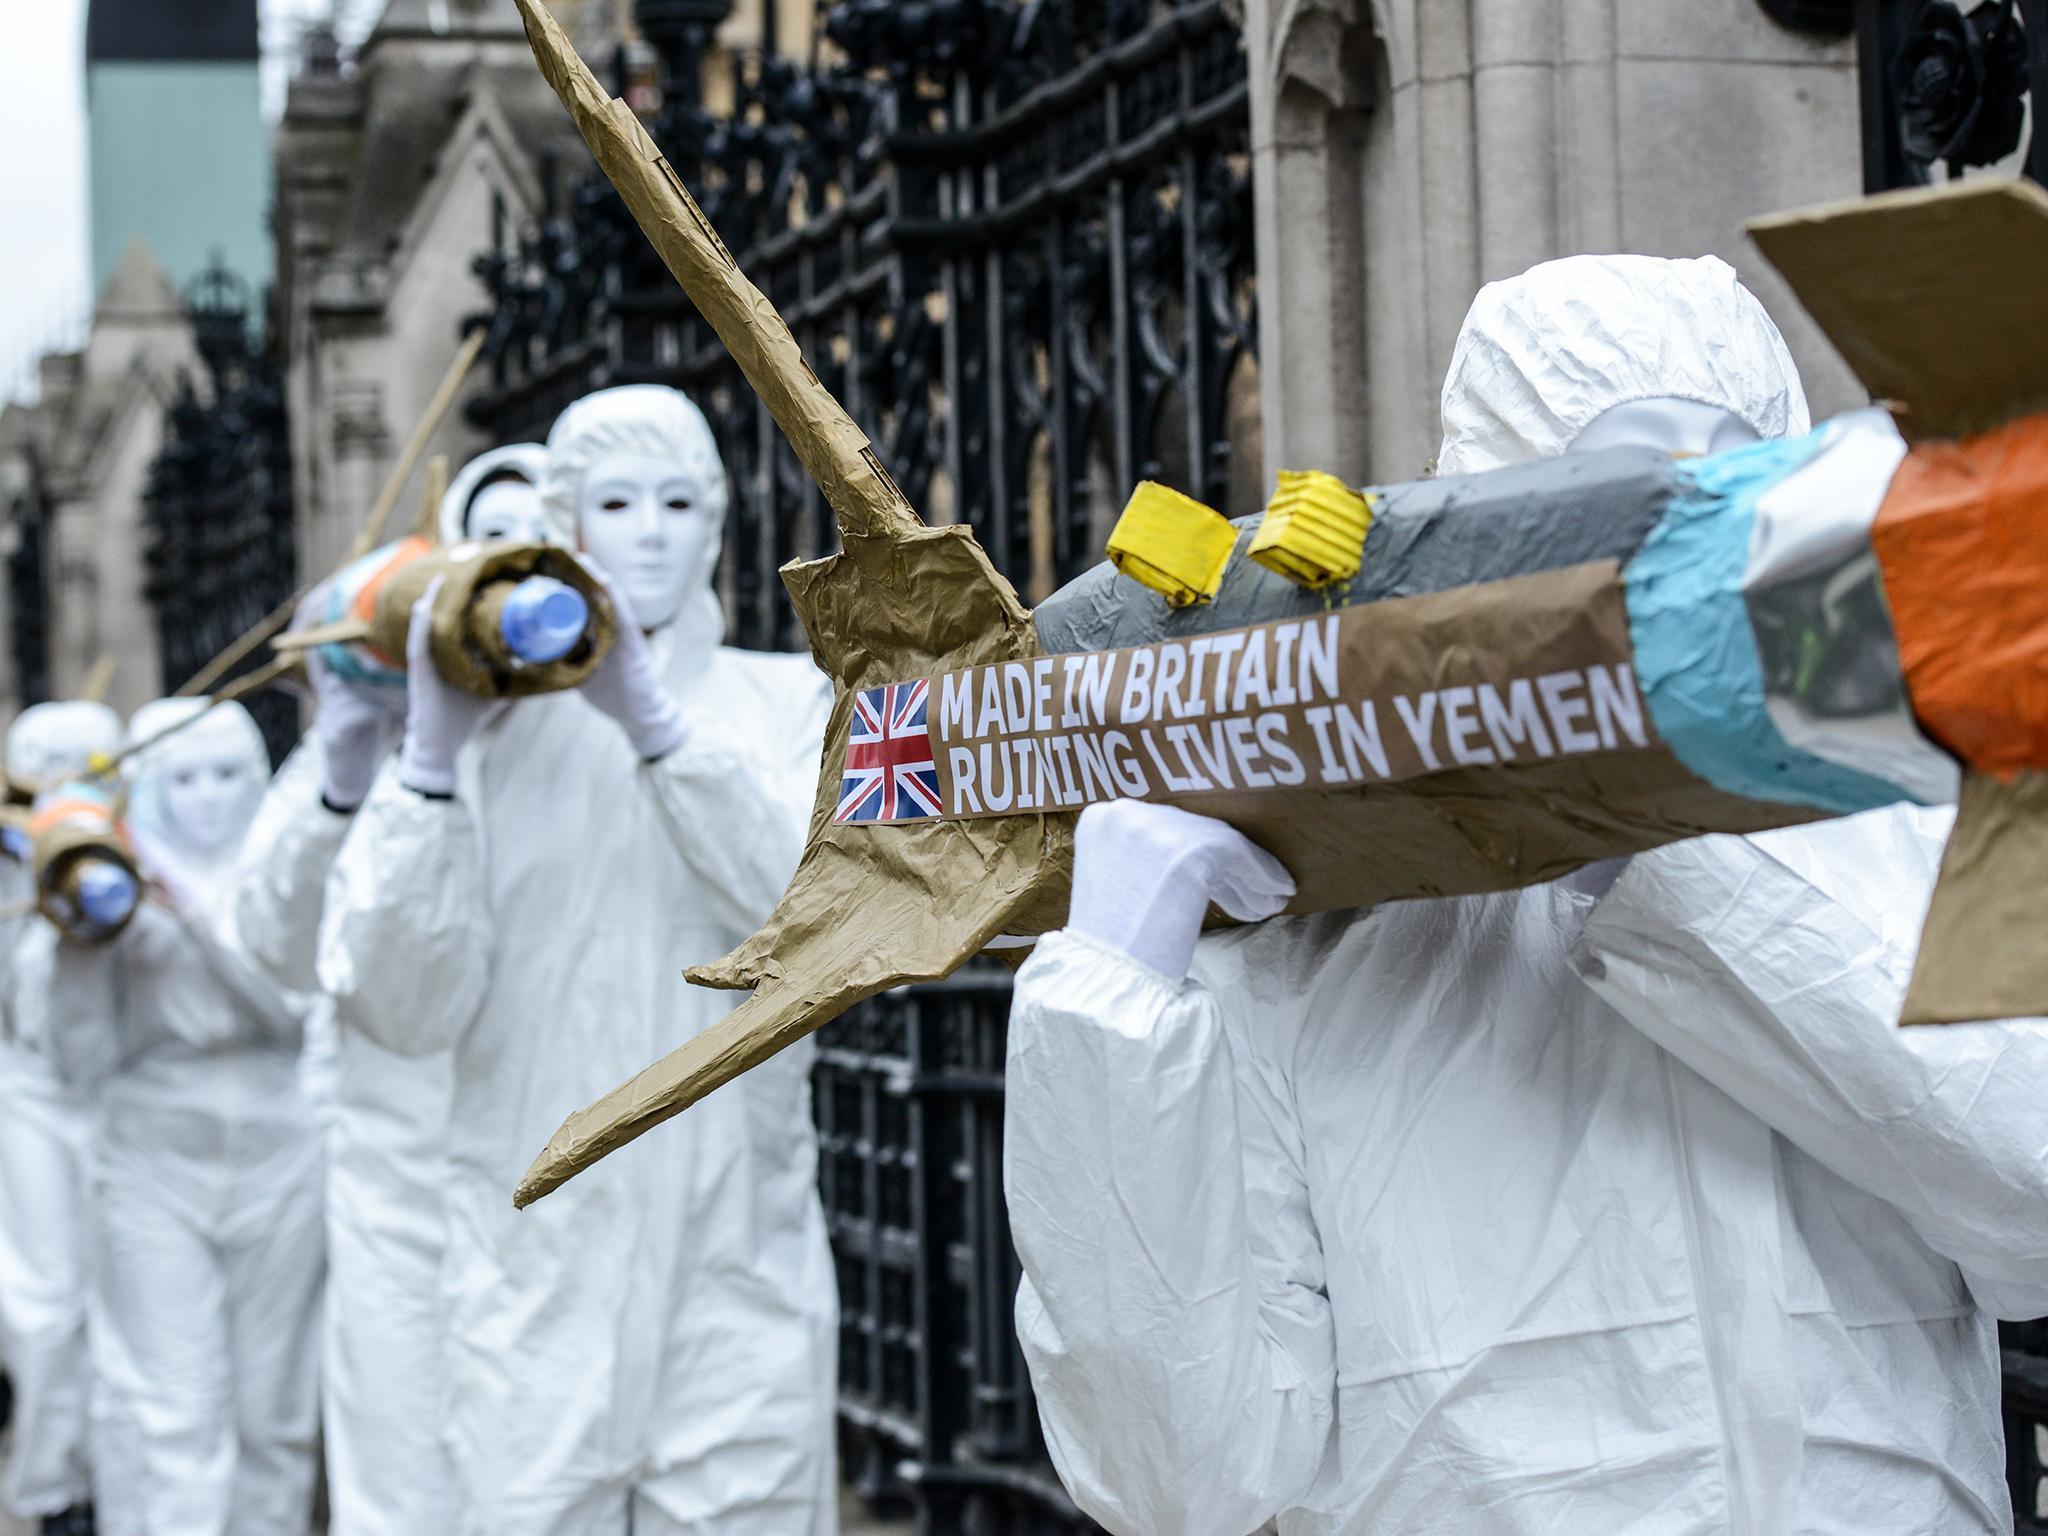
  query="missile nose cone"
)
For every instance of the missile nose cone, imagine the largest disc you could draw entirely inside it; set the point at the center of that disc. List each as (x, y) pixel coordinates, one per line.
(543, 620)
(106, 893)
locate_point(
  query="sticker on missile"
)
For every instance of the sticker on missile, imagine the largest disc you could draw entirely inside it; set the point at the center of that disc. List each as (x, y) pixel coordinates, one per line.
(1526, 669)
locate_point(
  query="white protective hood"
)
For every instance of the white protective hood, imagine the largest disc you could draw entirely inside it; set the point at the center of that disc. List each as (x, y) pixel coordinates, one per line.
(528, 460)
(50, 742)
(1542, 354)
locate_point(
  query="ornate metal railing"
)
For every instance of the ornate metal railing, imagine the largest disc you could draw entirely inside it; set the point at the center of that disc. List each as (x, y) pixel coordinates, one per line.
(218, 507)
(1944, 90)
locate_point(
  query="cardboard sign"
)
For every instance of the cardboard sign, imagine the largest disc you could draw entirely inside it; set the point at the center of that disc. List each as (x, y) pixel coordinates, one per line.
(1536, 667)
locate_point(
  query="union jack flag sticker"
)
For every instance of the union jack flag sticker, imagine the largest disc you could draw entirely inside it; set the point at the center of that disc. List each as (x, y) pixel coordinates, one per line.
(890, 774)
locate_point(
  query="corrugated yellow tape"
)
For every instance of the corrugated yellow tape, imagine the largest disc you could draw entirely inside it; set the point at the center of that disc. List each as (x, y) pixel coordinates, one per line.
(1314, 529)
(1172, 544)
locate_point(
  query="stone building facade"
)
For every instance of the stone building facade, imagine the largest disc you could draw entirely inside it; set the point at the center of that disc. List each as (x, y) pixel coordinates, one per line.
(389, 175)
(1408, 151)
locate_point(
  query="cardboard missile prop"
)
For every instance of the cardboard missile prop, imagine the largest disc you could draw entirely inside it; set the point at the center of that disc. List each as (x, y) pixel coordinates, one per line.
(509, 620)
(87, 882)
(1521, 672)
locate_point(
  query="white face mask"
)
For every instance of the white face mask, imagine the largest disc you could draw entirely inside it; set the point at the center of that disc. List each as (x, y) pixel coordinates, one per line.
(207, 795)
(642, 521)
(509, 510)
(1682, 428)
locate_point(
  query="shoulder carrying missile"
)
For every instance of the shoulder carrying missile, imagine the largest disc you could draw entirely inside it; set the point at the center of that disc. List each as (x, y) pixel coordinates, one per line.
(509, 620)
(1517, 674)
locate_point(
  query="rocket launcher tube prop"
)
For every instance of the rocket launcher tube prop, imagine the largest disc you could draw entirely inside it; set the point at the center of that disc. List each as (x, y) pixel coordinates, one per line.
(1688, 723)
(86, 879)
(510, 620)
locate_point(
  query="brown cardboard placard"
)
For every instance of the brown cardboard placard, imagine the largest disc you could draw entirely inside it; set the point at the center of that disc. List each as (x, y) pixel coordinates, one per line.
(1930, 295)
(1533, 667)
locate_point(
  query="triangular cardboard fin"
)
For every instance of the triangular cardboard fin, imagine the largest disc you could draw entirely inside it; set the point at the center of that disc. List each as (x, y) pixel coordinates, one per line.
(1984, 950)
(902, 600)
(1929, 295)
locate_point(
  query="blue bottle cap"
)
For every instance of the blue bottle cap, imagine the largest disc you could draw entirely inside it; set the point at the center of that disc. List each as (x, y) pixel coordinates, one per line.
(543, 620)
(106, 893)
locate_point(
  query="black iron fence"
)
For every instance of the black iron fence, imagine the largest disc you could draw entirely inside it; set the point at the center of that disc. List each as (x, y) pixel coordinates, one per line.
(218, 508)
(28, 612)
(1015, 240)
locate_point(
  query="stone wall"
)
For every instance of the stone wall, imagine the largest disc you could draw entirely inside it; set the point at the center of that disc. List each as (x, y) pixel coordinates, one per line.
(1408, 151)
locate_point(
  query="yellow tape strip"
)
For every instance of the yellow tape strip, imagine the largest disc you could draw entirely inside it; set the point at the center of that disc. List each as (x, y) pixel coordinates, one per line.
(1172, 544)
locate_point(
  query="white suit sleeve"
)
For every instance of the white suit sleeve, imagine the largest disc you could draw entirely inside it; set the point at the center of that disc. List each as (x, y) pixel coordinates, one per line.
(1787, 1001)
(1173, 1310)
(274, 1011)
(281, 884)
(736, 809)
(405, 942)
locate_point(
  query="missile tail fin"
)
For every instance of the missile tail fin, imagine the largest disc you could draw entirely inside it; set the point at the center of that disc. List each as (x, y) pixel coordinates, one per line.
(1981, 952)
(1922, 293)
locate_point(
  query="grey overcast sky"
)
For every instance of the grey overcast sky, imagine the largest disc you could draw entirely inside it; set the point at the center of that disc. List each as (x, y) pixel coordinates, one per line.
(44, 262)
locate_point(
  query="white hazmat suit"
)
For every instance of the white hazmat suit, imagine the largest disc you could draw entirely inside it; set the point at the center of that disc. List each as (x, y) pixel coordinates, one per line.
(1538, 1211)
(42, 1158)
(387, 1164)
(653, 1343)
(206, 1167)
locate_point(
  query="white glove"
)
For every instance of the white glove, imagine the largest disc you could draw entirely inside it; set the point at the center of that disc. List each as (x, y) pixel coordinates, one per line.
(626, 686)
(439, 717)
(354, 722)
(1144, 876)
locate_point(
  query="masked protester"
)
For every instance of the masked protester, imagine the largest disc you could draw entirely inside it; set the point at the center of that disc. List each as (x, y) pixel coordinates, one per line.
(387, 1470)
(496, 495)
(206, 1167)
(651, 1348)
(1539, 1211)
(42, 1174)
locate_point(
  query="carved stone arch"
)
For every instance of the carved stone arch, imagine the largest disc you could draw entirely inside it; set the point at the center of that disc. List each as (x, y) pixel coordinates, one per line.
(1319, 81)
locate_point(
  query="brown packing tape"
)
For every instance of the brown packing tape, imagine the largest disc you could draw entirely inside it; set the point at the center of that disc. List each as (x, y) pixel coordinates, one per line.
(1930, 295)
(1981, 951)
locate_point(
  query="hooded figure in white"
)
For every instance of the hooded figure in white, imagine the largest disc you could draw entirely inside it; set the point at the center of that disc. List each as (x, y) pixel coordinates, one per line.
(42, 1157)
(496, 496)
(206, 1167)
(387, 1164)
(653, 1346)
(1533, 1212)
